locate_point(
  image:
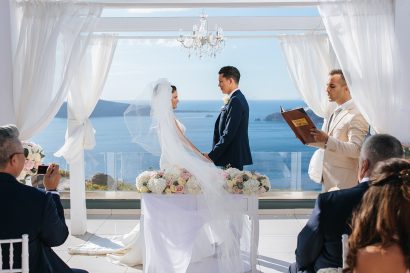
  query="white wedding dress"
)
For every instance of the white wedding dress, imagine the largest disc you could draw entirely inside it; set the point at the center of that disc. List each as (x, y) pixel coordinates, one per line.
(220, 220)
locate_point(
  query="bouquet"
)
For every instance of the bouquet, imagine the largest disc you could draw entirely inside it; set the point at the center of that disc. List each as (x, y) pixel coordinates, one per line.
(244, 182)
(34, 156)
(169, 181)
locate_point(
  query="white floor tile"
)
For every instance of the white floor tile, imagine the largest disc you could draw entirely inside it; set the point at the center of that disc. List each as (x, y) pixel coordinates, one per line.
(277, 242)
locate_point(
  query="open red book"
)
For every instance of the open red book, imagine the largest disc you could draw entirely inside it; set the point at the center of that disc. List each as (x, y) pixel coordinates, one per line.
(300, 123)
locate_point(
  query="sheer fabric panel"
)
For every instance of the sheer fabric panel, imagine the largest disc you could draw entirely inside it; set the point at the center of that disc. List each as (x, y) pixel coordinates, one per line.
(85, 91)
(46, 56)
(363, 36)
(310, 57)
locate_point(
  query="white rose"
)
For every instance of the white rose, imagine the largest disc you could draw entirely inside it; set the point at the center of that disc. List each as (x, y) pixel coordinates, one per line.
(225, 99)
(157, 185)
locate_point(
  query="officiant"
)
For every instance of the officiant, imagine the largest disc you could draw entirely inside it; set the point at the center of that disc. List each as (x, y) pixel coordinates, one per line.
(230, 146)
(342, 136)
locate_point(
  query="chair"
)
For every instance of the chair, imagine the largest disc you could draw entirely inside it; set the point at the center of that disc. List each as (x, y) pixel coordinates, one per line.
(24, 254)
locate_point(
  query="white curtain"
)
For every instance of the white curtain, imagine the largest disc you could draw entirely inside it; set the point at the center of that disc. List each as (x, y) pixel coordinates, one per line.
(85, 90)
(46, 56)
(310, 58)
(362, 33)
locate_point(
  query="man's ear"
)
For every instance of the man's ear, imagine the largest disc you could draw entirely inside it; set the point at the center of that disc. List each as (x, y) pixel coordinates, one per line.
(364, 168)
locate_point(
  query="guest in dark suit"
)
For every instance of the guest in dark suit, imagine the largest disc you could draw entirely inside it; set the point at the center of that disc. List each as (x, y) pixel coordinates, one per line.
(27, 210)
(319, 243)
(231, 142)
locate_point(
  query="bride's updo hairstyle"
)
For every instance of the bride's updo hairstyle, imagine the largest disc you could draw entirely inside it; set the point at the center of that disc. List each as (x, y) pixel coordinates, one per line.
(383, 218)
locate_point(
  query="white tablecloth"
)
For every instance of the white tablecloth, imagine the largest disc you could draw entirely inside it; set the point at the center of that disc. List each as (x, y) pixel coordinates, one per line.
(178, 239)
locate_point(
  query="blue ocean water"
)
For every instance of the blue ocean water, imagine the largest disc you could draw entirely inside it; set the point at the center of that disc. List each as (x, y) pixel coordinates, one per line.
(276, 151)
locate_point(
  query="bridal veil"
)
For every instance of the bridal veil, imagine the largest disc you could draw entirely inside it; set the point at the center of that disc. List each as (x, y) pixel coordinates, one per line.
(216, 208)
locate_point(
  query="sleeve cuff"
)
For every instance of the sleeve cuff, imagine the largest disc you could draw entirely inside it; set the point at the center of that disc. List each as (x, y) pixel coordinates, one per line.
(53, 192)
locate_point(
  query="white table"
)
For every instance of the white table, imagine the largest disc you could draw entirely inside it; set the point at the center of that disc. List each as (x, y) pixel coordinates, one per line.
(159, 207)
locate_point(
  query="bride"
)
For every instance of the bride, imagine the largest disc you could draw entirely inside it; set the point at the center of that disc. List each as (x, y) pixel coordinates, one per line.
(221, 218)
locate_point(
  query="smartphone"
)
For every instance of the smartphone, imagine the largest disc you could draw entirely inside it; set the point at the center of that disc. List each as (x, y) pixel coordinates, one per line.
(42, 169)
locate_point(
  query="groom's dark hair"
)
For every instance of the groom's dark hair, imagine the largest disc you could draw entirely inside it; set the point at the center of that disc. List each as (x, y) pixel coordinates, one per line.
(230, 72)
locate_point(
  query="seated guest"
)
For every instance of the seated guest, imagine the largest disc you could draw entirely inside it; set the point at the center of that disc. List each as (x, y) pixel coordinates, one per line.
(319, 243)
(27, 210)
(380, 240)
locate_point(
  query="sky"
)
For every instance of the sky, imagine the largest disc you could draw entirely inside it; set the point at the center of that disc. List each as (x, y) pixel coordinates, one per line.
(264, 73)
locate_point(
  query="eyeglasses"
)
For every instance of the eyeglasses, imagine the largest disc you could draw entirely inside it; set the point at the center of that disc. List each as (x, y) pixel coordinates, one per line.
(13, 154)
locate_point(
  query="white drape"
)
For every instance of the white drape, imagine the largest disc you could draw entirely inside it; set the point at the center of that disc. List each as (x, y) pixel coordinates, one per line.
(310, 57)
(85, 90)
(45, 59)
(362, 33)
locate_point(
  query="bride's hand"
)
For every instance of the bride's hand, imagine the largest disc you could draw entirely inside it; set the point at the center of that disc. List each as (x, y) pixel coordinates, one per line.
(207, 156)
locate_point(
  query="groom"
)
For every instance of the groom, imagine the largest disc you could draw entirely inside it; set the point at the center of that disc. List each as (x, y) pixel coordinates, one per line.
(230, 146)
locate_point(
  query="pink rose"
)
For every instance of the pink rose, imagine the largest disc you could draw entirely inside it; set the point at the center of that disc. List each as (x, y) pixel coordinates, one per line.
(179, 189)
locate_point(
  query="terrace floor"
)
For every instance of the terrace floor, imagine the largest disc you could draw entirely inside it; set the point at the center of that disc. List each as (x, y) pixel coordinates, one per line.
(277, 238)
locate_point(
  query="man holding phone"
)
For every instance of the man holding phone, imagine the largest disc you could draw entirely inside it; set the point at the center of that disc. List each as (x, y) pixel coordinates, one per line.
(27, 210)
(37, 180)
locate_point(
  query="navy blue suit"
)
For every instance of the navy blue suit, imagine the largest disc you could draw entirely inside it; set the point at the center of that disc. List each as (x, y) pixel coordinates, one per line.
(27, 210)
(231, 142)
(319, 243)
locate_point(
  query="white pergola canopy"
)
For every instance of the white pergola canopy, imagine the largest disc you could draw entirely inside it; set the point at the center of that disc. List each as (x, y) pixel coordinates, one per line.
(229, 23)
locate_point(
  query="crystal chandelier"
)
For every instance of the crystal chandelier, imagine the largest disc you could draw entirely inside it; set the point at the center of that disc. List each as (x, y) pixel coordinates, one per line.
(202, 42)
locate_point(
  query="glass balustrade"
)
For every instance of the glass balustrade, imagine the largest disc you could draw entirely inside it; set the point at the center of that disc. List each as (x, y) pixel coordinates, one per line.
(117, 171)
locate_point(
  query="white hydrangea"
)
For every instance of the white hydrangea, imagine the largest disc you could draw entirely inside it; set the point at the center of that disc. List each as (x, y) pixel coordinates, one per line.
(143, 179)
(157, 185)
(251, 186)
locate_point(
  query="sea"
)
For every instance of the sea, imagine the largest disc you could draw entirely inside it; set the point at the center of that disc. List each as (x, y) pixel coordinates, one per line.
(276, 151)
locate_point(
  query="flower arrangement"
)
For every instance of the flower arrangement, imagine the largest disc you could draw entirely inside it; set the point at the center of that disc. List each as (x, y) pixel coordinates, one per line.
(34, 156)
(245, 182)
(169, 181)
(180, 181)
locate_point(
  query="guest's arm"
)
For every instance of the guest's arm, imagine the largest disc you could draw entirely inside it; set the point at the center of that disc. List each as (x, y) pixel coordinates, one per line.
(310, 239)
(54, 231)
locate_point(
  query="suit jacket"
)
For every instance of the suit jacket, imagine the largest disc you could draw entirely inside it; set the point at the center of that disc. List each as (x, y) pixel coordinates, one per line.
(347, 132)
(319, 243)
(231, 142)
(27, 210)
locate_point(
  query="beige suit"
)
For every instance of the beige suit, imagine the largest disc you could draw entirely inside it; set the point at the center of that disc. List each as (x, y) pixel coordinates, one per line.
(346, 131)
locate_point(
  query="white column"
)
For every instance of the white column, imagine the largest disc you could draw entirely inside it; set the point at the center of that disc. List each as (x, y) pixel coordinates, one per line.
(78, 210)
(6, 74)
